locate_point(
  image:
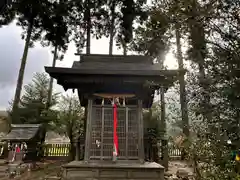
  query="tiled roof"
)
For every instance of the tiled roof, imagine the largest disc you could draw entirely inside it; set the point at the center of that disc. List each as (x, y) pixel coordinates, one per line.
(22, 132)
(114, 65)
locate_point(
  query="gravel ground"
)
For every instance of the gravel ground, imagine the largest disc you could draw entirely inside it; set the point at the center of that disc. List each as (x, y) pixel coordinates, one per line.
(45, 170)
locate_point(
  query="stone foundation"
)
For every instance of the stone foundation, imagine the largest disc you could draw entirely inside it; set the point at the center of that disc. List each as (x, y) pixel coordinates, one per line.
(77, 170)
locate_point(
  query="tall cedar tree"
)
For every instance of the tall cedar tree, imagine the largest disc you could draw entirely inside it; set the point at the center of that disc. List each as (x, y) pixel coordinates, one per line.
(220, 25)
(86, 21)
(150, 39)
(29, 15)
(116, 21)
(57, 32)
(130, 10)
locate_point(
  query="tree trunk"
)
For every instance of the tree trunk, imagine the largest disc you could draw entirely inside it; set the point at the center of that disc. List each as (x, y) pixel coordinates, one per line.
(112, 28)
(183, 100)
(51, 79)
(124, 49)
(85, 128)
(197, 34)
(88, 29)
(21, 74)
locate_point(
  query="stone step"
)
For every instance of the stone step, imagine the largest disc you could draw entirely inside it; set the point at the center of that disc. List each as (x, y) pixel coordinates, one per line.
(3, 174)
(52, 178)
(3, 168)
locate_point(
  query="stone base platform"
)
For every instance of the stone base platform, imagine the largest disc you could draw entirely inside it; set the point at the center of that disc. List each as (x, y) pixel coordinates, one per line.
(101, 170)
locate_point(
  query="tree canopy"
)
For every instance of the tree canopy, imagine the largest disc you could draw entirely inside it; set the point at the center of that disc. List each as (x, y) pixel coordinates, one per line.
(33, 103)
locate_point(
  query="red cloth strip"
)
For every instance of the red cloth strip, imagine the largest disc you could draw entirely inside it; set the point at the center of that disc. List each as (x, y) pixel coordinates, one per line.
(115, 136)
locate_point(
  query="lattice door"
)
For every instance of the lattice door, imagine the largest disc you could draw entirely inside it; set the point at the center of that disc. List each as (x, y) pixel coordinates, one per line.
(95, 144)
(107, 138)
(102, 133)
(133, 135)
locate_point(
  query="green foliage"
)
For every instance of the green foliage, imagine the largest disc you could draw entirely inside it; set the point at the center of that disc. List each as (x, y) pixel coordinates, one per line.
(152, 129)
(28, 12)
(70, 117)
(85, 15)
(98, 15)
(33, 102)
(56, 25)
(211, 33)
(151, 36)
(173, 112)
(130, 11)
(220, 51)
(151, 117)
(212, 156)
(6, 14)
(48, 18)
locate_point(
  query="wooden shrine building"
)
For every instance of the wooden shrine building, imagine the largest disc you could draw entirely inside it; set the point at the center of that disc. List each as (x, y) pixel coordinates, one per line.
(102, 81)
(24, 143)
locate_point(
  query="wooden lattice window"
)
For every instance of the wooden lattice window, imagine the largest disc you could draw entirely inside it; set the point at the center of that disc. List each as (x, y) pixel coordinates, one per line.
(101, 145)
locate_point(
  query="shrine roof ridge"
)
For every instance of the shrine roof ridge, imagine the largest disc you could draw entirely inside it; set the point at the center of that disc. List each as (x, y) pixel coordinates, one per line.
(107, 71)
(111, 65)
(115, 58)
(26, 125)
(100, 64)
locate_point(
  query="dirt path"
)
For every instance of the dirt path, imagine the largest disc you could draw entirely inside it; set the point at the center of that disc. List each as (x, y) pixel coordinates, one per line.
(52, 169)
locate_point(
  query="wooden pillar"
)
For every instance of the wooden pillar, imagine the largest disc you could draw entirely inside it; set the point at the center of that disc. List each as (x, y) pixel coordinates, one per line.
(88, 131)
(77, 152)
(85, 130)
(102, 132)
(164, 143)
(126, 150)
(140, 134)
